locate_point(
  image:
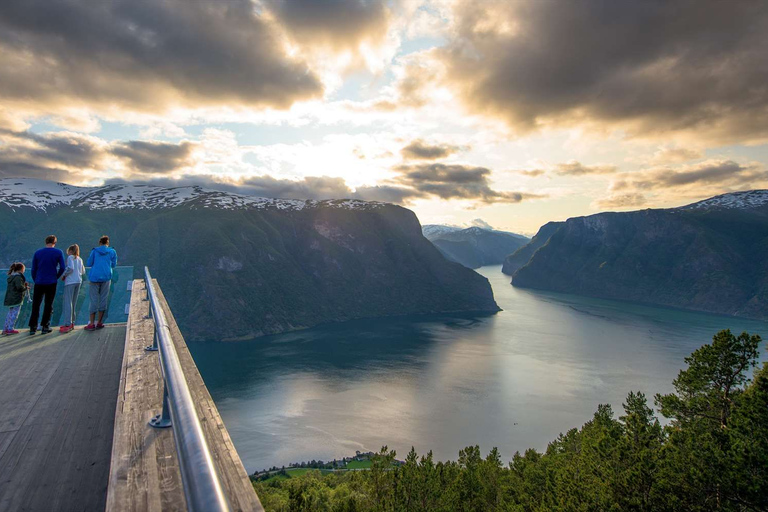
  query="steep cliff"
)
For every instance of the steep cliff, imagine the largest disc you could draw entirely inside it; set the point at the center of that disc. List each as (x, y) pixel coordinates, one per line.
(709, 256)
(236, 266)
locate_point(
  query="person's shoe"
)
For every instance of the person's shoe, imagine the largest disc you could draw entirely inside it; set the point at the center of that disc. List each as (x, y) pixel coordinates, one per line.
(90, 327)
(66, 328)
(8, 333)
(32, 330)
(99, 325)
(45, 330)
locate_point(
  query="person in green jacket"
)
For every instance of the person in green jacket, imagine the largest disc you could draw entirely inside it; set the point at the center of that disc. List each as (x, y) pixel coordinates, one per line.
(14, 296)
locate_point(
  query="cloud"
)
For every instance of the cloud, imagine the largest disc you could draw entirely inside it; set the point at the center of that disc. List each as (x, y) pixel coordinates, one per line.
(655, 67)
(337, 23)
(455, 182)
(420, 150)
(154, 157)
(574, 168)
(310, 187)
(480, 223)
(53, 156)
(674, 156)
(621, 201)
(712, 172)
(532, 173)
(693, 182)
(146, 55)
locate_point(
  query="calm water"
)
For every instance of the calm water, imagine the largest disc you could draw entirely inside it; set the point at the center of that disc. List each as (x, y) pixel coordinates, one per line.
(512, 380)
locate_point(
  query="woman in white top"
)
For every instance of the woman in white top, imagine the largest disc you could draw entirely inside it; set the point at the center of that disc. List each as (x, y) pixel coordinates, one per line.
(73, 278)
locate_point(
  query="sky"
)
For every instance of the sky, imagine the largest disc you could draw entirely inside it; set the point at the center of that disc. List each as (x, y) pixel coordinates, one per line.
(505, 113)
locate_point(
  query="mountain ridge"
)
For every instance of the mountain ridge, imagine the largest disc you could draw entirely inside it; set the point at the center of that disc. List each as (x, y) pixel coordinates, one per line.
(473, 247)
(232, 271)
(707, 256)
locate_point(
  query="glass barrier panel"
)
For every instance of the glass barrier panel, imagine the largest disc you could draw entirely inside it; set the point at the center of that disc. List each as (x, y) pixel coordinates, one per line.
(117, 302)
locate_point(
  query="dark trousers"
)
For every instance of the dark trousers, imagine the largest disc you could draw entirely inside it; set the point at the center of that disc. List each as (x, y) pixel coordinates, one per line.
(47, 292)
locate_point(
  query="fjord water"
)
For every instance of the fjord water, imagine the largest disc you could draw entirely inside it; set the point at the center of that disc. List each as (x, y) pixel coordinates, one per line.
(513, 380)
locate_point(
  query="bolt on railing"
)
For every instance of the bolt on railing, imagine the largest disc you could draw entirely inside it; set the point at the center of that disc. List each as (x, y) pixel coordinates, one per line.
(202, 487)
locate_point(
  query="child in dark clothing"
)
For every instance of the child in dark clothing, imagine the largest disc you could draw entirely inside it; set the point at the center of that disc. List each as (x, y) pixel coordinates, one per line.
(18, 287)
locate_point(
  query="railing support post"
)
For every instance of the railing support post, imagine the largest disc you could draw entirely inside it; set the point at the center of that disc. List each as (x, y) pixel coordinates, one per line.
(153, 346)
(162, 420)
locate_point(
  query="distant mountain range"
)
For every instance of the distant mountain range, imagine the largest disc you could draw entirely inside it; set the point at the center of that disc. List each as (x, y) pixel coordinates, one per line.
(708, 256)
(473, 247)
(236, 266)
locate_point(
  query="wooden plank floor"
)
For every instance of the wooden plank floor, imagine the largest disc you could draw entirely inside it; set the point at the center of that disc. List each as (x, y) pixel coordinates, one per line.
(57, 404)
(145, 474)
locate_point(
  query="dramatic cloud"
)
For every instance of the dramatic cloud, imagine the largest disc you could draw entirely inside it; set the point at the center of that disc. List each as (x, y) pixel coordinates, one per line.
(68, 156)
(693, 182)
(726, 173)
(574, 168)
(52, 156)
(146, 55)
(420, 150)
(652, 67)
(154, 157)
(456, 182)
(339, 23)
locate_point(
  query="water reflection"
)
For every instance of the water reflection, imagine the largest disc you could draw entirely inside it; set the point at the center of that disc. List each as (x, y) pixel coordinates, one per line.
(513, 380)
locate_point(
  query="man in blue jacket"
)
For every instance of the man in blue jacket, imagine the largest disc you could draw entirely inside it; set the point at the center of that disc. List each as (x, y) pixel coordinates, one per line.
(47, 266)
(101, 260)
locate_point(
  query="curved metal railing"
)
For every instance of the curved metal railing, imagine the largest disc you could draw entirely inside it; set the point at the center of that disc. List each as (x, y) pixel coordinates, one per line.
(202, 487)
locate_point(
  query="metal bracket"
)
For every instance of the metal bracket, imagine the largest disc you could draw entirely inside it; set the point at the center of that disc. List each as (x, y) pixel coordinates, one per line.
(162, 420)
(159, 422)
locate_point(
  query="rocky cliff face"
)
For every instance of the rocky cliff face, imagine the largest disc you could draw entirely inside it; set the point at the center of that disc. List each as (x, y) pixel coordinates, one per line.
(236, 267)
(710, 256)
(474, 247)
(523, 255)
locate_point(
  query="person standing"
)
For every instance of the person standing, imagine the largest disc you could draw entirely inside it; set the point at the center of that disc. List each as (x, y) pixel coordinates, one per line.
(18, 287)
(101, 260)
(73, 278)
(47, 266)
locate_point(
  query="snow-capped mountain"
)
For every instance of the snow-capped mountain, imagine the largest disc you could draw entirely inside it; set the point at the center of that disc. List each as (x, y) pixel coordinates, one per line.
(235, 266)
(431, 231)
(741, 200)
(42, 195)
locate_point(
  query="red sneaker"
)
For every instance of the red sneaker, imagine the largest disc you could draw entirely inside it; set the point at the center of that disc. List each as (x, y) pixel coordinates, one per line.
(65, 328)
(8, 333)
(90, 327)
(99, 325)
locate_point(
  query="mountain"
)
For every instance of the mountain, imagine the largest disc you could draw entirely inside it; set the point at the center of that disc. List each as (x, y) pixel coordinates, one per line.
(521, 256)
(235, 266)
(708, 256)
(473, 247)
(432, 231)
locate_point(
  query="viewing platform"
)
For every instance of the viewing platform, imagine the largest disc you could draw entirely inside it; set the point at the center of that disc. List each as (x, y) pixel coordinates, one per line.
(75, 413)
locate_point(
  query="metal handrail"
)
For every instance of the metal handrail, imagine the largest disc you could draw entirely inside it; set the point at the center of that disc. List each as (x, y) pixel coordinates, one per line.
(202, 487)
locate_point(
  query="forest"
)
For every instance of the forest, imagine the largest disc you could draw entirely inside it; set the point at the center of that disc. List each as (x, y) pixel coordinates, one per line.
(711, 453)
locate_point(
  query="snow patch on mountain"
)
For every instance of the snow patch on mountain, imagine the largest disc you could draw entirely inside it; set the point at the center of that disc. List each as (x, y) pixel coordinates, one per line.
(733, 200)
(432, 231)
(42, 195)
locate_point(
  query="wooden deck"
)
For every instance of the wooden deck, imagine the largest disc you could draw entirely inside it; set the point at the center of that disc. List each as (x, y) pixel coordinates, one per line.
(74, 412)
(57, 405)
(145, 472)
